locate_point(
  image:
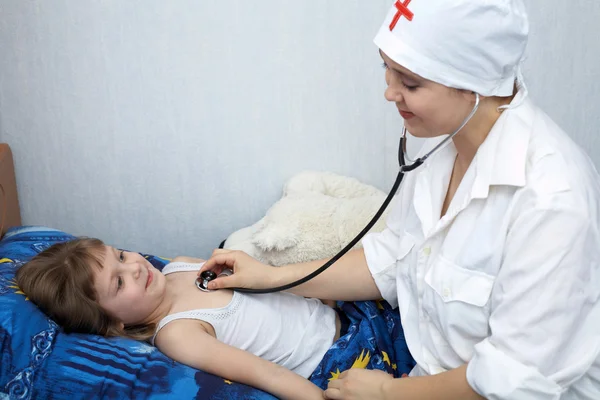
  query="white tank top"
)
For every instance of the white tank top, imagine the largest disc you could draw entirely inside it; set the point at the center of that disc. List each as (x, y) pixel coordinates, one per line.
(292, 331)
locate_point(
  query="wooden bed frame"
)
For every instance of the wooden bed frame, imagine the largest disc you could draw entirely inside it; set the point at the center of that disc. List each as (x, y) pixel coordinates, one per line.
(10, 214)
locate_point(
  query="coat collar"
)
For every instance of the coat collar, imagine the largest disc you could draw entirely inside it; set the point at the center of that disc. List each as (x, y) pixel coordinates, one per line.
(500, 160)
(502, 157)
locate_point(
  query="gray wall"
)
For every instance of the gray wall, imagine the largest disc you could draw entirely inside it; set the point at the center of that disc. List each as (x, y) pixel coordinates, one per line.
(162, 126)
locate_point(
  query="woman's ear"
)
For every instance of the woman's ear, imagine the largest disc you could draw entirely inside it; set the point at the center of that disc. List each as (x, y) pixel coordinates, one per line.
(468, 95)
(471, 96)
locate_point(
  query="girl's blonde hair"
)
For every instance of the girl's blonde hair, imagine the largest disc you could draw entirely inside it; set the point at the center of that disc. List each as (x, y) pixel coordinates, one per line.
(60, 281)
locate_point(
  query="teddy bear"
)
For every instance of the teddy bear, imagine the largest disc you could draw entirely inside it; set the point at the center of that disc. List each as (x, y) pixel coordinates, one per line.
(318, 215)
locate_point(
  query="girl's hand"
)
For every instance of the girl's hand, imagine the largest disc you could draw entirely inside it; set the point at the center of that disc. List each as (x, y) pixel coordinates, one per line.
(358, 384)
(247, 272)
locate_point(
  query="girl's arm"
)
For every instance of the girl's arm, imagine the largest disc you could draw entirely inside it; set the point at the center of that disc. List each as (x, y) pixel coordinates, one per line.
(188, 259)
(187, 342)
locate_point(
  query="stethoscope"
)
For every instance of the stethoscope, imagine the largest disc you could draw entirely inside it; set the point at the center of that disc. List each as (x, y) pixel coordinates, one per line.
(208, 276)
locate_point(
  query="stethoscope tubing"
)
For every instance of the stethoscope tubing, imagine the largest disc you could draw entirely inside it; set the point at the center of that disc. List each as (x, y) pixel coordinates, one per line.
(402, 157)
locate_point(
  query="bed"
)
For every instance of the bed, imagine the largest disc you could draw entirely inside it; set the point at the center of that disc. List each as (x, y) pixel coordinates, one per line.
(10, 214)
(39, 361)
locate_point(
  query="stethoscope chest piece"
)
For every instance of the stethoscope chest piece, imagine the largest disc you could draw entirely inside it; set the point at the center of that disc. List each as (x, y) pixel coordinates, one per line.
(207, 276)
(203, 279)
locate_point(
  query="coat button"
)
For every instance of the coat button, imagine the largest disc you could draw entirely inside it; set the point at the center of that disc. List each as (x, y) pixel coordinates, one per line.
(446, 293)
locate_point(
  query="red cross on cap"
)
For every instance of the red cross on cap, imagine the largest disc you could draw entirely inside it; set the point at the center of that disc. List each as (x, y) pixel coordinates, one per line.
(402, 8)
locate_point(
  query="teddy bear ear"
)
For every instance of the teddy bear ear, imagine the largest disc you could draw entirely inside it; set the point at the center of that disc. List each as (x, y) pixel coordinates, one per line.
(304, 182)
(275, 237)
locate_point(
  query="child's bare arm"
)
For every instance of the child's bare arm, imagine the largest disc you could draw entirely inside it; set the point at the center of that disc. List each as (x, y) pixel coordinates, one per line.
(330, 303)
(187, 259)
(187, 342)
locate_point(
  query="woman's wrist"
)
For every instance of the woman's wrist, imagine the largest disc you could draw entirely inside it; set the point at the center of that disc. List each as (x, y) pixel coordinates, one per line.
(282, 275)
(392, 389)
(386, 388)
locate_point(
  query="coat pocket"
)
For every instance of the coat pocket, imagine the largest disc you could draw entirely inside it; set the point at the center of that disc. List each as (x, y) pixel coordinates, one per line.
(456, 302)
(454, 283)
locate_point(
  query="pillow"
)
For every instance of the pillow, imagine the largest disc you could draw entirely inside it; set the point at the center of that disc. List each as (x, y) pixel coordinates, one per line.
(39, 361)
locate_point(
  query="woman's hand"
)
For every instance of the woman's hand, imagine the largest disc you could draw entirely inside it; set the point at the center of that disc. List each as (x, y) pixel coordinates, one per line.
(247, 272)
(358, 384)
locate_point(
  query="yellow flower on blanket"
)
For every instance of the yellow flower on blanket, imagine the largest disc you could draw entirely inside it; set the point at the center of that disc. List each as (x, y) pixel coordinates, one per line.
(18, 290)
(362, 361)
(386, 358)
(334, 375)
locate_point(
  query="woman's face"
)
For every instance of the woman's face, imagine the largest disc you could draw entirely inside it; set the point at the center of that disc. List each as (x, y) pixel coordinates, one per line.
(429, 109)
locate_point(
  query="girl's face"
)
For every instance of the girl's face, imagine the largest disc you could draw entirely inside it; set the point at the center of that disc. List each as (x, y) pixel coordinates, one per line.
(429, 109)
(128, 286)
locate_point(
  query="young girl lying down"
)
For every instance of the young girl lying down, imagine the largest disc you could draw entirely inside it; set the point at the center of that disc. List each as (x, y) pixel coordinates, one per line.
(272, 342)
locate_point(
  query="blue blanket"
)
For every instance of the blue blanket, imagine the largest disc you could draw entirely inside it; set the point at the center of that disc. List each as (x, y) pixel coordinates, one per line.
(375, 340)
(39, 361)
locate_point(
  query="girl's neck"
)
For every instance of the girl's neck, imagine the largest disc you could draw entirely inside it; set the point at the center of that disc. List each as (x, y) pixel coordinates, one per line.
(165, 306)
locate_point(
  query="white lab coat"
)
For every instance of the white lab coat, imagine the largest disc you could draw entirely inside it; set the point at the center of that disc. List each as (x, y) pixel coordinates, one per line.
(509, 279)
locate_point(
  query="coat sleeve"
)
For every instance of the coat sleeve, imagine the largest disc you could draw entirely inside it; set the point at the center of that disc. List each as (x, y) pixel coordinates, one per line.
(545, 315)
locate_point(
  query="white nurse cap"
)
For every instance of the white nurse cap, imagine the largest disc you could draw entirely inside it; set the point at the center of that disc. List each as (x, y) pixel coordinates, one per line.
(476, 45)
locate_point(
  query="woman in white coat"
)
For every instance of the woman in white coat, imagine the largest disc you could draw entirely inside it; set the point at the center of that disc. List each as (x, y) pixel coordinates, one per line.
(492, 250)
